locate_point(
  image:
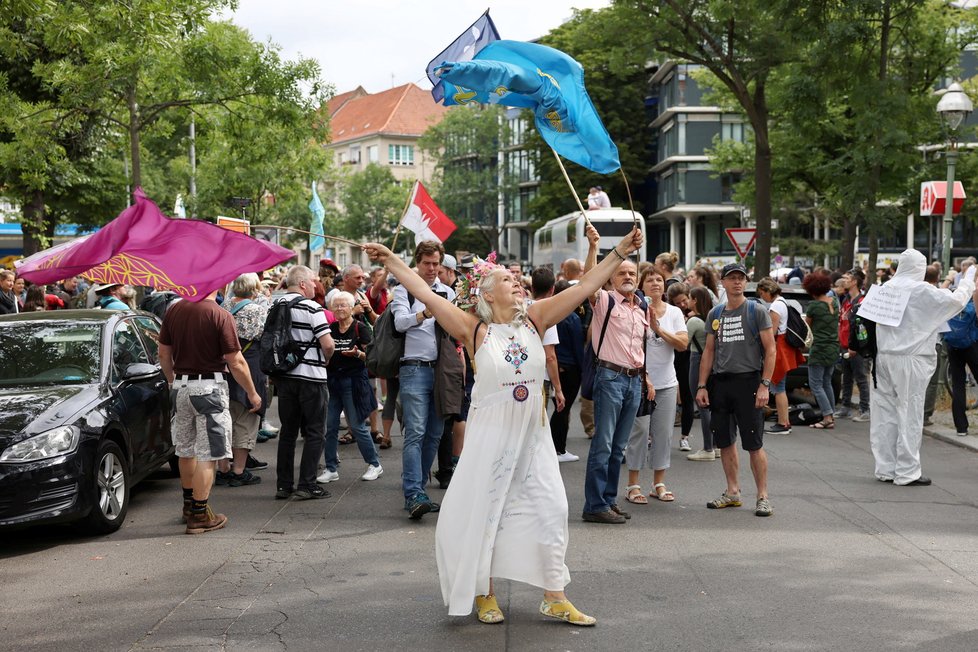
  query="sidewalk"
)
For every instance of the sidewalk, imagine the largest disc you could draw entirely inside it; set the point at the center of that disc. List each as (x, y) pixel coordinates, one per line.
(946, 433)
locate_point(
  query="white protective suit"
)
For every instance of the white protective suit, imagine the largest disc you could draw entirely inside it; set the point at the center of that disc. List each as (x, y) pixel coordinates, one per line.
(905, 361)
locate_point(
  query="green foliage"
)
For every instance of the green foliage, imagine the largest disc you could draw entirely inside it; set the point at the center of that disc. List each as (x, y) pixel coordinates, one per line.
(372, 203)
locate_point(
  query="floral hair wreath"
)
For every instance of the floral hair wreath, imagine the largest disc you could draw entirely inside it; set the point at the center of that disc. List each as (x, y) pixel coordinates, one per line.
(468, 285)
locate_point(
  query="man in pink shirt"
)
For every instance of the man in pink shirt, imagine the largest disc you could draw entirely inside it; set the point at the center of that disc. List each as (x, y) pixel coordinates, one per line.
(617, 385)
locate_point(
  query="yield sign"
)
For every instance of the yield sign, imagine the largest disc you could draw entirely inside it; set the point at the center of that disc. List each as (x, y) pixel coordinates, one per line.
(742, 239)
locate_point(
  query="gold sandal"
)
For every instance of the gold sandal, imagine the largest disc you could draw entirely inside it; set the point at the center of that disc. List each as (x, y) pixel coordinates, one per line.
(489, 611)
(564, 610)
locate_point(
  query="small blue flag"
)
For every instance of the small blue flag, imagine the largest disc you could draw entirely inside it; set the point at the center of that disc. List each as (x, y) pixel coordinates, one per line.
(550, 82)
(479, 34)
(317, 241)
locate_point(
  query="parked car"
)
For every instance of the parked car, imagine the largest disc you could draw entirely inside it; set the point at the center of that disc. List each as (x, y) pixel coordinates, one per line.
(84, 415)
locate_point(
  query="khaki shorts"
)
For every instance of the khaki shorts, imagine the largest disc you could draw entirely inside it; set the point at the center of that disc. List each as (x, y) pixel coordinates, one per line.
(244, 427)
(202, 423)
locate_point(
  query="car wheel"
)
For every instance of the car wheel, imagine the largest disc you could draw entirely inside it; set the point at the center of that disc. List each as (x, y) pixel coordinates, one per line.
(111, 490)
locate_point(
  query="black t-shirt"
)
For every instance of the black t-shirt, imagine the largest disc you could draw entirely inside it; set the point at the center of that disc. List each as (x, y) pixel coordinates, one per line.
(357, 336)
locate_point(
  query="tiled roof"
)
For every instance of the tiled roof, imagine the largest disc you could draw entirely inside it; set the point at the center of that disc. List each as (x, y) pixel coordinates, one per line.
(340, 100)
(405, 110)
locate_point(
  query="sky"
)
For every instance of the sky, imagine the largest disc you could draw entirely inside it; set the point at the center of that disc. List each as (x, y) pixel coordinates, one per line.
(379, 44)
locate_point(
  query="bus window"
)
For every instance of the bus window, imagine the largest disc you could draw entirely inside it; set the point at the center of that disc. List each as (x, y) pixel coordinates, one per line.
(572, 231)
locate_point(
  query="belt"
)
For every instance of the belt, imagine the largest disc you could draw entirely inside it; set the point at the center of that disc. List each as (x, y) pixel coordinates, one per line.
(418, 363)
(214, 375)
(631, 373)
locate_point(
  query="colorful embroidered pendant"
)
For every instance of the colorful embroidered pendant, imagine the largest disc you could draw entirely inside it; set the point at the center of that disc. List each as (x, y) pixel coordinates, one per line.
(521, 393)
(516, 354)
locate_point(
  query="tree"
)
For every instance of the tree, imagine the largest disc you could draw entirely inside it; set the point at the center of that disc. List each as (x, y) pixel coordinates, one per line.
(467, 182)
(372, 203)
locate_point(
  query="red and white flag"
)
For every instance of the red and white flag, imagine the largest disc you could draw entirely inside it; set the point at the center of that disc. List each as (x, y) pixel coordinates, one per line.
(425, 218)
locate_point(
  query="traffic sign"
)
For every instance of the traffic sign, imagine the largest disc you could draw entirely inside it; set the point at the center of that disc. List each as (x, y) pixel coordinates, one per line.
(234, 224)
(933, 198)
(742, 239)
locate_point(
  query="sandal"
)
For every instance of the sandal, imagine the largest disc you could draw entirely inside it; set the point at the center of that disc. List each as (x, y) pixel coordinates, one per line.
(346, 439)
(662, 493)
(378, 436)
(488, 608)
(823, 425)
(385, 443)
(564, 610)
(635, 495)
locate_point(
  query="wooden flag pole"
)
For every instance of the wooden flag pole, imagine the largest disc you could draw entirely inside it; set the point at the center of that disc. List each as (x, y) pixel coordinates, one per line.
(571, 186)
(628, 190)
(291, 228)
(397, 231)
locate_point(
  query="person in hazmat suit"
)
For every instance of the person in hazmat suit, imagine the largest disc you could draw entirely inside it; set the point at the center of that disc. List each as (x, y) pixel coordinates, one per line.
(906, 358)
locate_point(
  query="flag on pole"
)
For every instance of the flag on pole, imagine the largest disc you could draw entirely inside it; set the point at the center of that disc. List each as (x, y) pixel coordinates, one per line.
(425, 218)
(479, 34)
(317, 241)
(144, 247)
(549, 82)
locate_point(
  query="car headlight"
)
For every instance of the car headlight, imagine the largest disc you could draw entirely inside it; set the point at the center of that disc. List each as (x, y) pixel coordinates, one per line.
(40, 447)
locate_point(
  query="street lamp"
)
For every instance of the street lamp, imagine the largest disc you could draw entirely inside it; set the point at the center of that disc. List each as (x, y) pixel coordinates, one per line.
(954, 107)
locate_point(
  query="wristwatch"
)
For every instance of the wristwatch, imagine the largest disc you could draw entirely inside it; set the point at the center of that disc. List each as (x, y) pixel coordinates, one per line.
(699, 387)
(766, 382)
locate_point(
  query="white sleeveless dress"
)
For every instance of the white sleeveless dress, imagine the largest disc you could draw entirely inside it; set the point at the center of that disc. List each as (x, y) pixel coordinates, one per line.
(505, 512)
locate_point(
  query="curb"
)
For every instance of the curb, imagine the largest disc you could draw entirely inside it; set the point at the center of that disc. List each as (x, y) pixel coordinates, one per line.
(951, 437)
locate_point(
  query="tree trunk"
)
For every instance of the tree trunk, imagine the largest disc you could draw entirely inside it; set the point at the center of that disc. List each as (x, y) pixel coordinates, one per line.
(137, 179)
(874, 249)
(762, 184)
(846, 258)
(34, 226)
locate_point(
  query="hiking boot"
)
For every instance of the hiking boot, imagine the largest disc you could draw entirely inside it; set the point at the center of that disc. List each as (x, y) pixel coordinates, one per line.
(763, 507)
(725, 500)
(205, 521)
(253, 464)
(684, 444)
(240, 480)
(702, 456)
(419, 506)
(186, 509)
(311, 493)
(778, 429)
(608, 517)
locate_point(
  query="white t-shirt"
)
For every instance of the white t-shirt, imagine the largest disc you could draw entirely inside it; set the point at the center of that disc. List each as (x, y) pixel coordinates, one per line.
(779, 306)
(659, 355)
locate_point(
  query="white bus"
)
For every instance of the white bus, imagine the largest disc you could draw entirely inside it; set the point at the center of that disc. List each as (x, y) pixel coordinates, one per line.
(563, 237)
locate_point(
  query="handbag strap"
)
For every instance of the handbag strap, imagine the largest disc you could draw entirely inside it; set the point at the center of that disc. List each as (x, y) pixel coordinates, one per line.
(604, 326)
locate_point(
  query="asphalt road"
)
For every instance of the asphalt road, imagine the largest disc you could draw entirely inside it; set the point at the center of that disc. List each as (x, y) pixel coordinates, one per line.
(845, 563)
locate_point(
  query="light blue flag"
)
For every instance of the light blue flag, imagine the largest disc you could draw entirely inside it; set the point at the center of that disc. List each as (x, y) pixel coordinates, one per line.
(479, 34)
(513, 73)
(317, 241)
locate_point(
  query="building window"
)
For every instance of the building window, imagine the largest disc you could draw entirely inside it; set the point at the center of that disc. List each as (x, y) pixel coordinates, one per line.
(727, 183)
(400, 155)
(373, 155)
(732, 131)
(354, 155)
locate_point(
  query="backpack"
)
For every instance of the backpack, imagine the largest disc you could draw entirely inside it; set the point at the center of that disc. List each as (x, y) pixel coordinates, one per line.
(964, 328)
(386, 349)
(280, 352)
(803, 414)
(798, 334)
(862, 335)
(158, 302)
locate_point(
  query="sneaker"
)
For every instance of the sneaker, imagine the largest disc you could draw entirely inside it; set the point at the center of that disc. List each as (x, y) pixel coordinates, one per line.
(373, 472)
(763, 507)
(253, 464)
(842, 412)
(724, 500)
(963, 434)
(419, 506)
(268, 428)
(328, 476)
(239, 480)
(684, 444)
(567, 457)
(205, 521)
(778, 429)
(283, 494)
(716, 453)
(608, 517)
(862, 417)
(311, 493)
(264, 435)
(702, 456)
(221, 478)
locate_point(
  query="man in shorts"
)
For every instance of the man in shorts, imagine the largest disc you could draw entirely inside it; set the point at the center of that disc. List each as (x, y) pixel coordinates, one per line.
(734, 381)
(198, 345)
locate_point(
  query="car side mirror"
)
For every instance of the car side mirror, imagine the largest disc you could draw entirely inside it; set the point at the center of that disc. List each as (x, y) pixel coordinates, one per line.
(140, 371)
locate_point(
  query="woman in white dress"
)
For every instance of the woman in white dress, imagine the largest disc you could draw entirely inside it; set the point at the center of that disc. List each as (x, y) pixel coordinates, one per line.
(505, 512)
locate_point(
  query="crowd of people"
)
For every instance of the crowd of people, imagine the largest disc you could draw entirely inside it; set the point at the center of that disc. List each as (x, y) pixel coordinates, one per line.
(491, 363)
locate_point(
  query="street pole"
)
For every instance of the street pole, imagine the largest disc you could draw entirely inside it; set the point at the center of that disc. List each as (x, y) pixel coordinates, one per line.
(193, 166)
(952, 158)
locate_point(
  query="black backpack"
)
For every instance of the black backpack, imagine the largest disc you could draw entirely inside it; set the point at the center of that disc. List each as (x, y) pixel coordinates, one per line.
(280, 352)
(386, 349)
(862, 335)
(798, 334)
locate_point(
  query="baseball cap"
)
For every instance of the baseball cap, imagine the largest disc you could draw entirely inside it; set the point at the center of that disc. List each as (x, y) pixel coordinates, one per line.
(450, 262)
(731, 268)
(328, 262)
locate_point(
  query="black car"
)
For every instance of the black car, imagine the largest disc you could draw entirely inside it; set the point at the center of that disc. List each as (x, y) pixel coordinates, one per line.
(84, 415)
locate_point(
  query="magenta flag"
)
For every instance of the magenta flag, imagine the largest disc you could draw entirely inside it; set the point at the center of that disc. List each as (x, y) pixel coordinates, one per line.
(144, 247)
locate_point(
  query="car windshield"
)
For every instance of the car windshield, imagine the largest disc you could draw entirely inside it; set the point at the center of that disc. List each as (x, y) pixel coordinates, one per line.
(46, 353)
